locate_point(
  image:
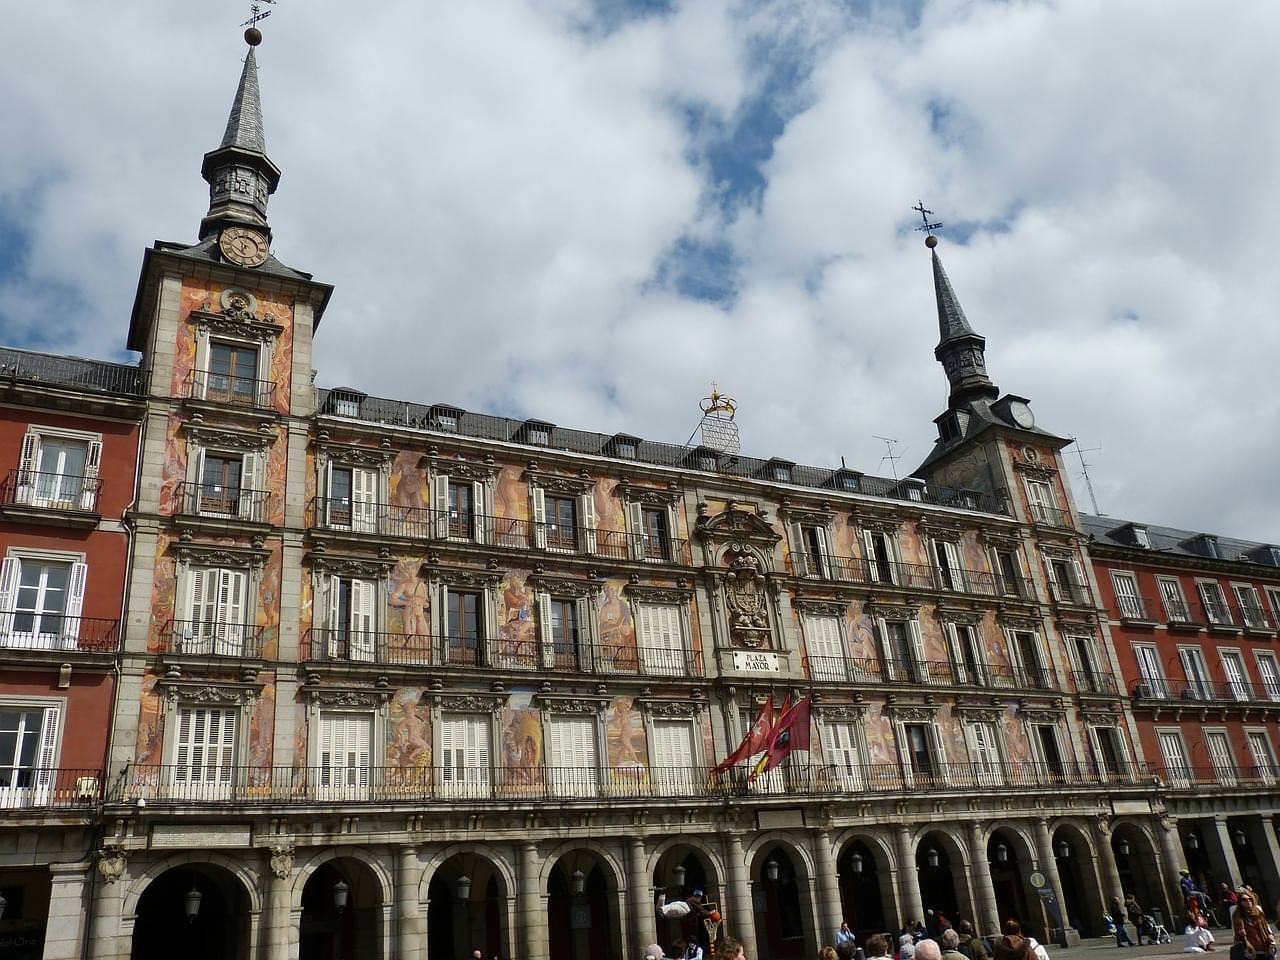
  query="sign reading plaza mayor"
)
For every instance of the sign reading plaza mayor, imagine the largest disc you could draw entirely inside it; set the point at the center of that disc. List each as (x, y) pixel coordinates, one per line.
(756, 661)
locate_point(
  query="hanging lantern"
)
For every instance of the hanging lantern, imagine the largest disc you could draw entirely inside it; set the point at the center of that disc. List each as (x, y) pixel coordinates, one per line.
(577, 883)
(856, 862)
(771, 870)
(931, 857)
(191, 902)
(678, 875)
(1122, 848)
(340, 892)
(1193, 841)
(3, 903)
(1239, 837)
(1002, 853)
(1064, 850)
(464, 887)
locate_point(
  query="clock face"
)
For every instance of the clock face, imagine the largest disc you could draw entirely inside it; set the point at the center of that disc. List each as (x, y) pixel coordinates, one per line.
(1022, 414)
(241, 245)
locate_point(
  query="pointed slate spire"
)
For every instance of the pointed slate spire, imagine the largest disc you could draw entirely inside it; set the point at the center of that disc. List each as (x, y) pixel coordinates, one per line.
(960, 350)
(240, 174)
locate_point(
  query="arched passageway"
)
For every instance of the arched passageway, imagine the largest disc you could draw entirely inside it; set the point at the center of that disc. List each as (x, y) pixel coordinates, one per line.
(1009, 869)
(341, 912)
(681, 872)
(466, 909)
(198, 911)
(1081, 890)
(784, 913)
(865, 889)
(582, 909)
(936, 873)
(1138, 868)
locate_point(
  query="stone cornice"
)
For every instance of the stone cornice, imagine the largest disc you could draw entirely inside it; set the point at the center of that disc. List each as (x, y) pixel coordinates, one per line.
(1155, 561)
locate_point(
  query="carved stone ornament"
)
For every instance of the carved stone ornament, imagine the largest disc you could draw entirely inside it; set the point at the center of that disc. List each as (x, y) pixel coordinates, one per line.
(348, 698)
(735, 525)
(355, 456)
(470, 703)
(463, 469)
(1061, 553)
(553, 483)
(230, 694)
(225, 438)
(647, 594)
(282, 861)
(1100, 718)
(111, 861)
(578, 705)
(672, 708)
(840, 712)
(809, 517)
(931, 528)
(912, 713)
(562, 587)
(238, 304)
(821, 608)
(237, 315)
(1015, 622)
(875, 524)
(469, 578)
(1000, 541)
(219, 556)
(978, 712)
(1041, 714)
(362, 567)
(744, 593)
(893, 611)
(1041, 471)
(960, 617)
(649, 496)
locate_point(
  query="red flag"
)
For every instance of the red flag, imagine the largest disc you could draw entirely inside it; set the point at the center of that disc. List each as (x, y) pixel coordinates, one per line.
(791, 732)
(755, 739)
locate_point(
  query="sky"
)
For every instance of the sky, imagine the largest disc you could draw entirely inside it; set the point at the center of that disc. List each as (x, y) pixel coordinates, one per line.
(587, 210)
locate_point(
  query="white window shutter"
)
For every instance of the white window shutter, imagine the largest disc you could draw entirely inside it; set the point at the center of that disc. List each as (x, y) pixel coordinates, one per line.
(941, 773)
(327, 611)
(481, 522)
(49, 730)
(639, 537)
(364, 499)
(544, 630)
(27, 480)
(799, 555)
(904, 751)
(263, 374)
(822, 635)
(869, 552)
(825, 561)
(231, 612)
(9, 570)
(440, 504)
(538, 512)
(952, 633)
(587, 539)
(363, 620)
(586, 634)
(75, 602)
(917, 648)
(92, 463)
(251, 487)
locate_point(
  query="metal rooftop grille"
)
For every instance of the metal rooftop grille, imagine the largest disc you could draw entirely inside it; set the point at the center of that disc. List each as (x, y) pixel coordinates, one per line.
(97, 376)
(450, 419)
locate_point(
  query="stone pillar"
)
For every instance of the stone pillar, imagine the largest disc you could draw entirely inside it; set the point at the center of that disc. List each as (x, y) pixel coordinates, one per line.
(1049, 867)
(829, 911)
(279, 906)
(411, 932)
(1171, 849)
(987, 920)
(739, 923)
(908, 878)
(104, 939)
(1226, 855)
(1263, 839)
(1111, 886)
(533, 917)
(64, 931)
(644, 911)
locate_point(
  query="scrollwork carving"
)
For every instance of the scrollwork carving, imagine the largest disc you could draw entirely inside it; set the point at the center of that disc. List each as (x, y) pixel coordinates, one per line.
(219, 556)
(649, 496)
(960, 617)
(746, 597)
(225, 438)
(348, 698)
(469, 703)
(282, 861)
(893, 611)
(673, 708)
(363, 567)
(837, 712)
(111, 863)
(647, 594)
(912, 713)
(561, 587)
(571, 705)
(821, 608)
(355, 456)
(185, 692)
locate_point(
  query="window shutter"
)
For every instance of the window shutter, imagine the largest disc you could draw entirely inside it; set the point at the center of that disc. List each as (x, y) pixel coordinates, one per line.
(904, 751)
(826, 657)
(639, 536)
(481, 521)
(478, 729)
(545, 631)
(92, 462)
(662, 646)
(672, 763)
(251, 496)
(957, 655)
(840, 748)
(363, 620)
(440, 504)
(538, 511)
(263, 373)
(587, 526)
(586, 634)
(364, 499)
(75, 602)
(9, 569)
(48, 758)
(26, 467)
(917, 649)
(869, 552)
(231, 612)
(325, 615)
(824, 553)
(799, 555)
(1234, 670)
(941, 771)
(1270, 676)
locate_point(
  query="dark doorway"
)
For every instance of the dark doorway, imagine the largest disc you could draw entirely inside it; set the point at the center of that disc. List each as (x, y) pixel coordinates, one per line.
(1136, 864)
(210, 924)
(581, 912)
(1082, 905)
(681, 873)
(779, 918)
(464, 911)
(935, 870)
(861, 899)
(1009, 884)
(340, 907)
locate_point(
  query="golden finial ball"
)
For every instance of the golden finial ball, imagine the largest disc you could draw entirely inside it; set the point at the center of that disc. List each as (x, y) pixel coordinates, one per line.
(253, 36)
(930, 241)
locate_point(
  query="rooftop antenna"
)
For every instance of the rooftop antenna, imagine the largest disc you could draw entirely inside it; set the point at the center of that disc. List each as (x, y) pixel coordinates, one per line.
(1084, 469)
(718, 428)
(889, 455)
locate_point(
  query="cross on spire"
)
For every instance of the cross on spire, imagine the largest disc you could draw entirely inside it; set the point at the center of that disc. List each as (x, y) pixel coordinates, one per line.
(256, 13)
(925, 214)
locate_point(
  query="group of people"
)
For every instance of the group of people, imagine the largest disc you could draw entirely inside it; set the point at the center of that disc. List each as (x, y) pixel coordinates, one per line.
(941, 941)
(1252, 937)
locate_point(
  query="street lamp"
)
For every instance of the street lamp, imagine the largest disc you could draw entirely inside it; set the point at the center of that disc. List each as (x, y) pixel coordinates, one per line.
(191, 902)
(464, 887)
(3, 903)
(1002, 853)
(771, 870)
(577, 883)
(931, 857)
(856, 862)
(678, 875)
(1122, 848)
(1193, 840)
(340, 892)
(1064, 849)
(1239, 837)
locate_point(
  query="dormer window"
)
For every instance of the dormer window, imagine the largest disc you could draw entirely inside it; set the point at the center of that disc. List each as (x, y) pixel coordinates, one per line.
(1208, 545)
(1140, 537)
(345, 402)
(780, 470)
(846, 480)
(445, 418)
(626, 447)
(537, 433)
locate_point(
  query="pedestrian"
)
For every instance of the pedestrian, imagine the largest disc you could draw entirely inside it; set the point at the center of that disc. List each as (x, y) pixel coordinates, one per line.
(1134, 913)
(971, 944)
(680, 950)
(845, 935)
(928, 949)
(906, 947)
(1186, 883)
(828, 953)
(1012, 945)
(654, 952)
(950, 941)
(1118, 918)
(1253, 937)
(728, 948)
(877, 946)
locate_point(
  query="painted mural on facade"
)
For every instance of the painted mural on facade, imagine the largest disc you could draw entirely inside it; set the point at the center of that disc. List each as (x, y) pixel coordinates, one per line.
(408, 730)
(625, 737)
(522, 736)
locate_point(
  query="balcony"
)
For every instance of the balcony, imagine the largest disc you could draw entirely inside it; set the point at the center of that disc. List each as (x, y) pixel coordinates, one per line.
(1138, 610)
(1046, 516)
(44, 788)
(1180, 615)
(1071, 593)
(212, 638)
(94, 376)
(184, 785)
(51, 497)
(421, 523)
(1218, 615)
(323, 645)
(1206, 691)
(224, 503)
(1092, 682)
(215, 387)
(24, 630)
(872, 671)
(1197, 779)
(1255, 618)
(914, 576)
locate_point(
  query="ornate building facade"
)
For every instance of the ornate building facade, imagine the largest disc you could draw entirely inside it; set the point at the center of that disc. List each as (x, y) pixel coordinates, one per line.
(402, 680)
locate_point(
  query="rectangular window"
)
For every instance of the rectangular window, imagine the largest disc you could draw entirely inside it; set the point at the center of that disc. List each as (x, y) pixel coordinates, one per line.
(879, 556)
(1046, 739)
(1109, 751)
(29, 738)
(1027, 645)
(1063, 580)
(946, 558)
(968, 661)
(341, 483)
(1263, 761)
(1215, 603)
(1127, 597)
(464, 741)
(1224, 765)
(1251, 606)
(1234, 670)
(345, 755)
(564, 634)
(220, 484)
(900, 656)
(1042, 502)
(562, 523)
(661, 640)
(572, 756)
(40, 602)
(216, 613)
(918, 751)
(1153, 683)
(1175, 760)
(657, 533)
(1088, 678)
(462, 510)
(58, 472)
(842, 754)
(673, 772)
(1273, 595)
(1193, 665)
(816, 552)
(204, 751)
(1270, 674)
(465, 627)
(233, 374)
(1175, 606)
(984, 754)
(825, 651)
(351, 620)
(1010, 573)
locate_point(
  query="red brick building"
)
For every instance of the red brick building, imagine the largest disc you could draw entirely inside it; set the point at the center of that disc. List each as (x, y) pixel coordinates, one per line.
(68, 457)
(1194, 619)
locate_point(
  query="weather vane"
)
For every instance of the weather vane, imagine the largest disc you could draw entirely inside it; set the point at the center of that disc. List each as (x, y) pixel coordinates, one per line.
(926, 227)
(256, 13)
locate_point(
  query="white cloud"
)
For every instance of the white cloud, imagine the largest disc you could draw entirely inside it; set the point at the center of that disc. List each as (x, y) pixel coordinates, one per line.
(490, 187)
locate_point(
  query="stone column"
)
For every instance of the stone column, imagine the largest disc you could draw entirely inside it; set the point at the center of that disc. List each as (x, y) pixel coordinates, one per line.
(533, 916)
(411, 933)
(984, 895)
(1111, 886)
(1226, 853)
(1263, 839)
(739, 923)
(1174, 861)
(908, 878)
(64, 931)
(104, 940)
(1049, 867)
(644, 912)
(830, 911)
(279, 906)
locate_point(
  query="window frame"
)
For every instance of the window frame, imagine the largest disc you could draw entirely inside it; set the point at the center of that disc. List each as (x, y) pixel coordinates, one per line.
(26, 491)
(48, 756)
(1138, 609)
(71, 618)
(1204, 586)
(1180, 773)
(1270, 686)
(1159, 684)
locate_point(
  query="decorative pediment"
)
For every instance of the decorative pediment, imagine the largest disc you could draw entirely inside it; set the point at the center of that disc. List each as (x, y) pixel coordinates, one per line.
(230, 694)
(1014, 622)
(875, 522)
(564, 587)
(837, 712)
(893, 611)
(963, 617)
(677, 709)
(1039, 470)
(559, 483)
(1056, 551)
(482, 472)
(735, 525)
(649, 496)
(355, 456)
(647, 593)
(552, 703)
(810, 514)
(226, 438)
(464, 578)
(469, 703)
(219, 556)
(348, 698)
(999, 540)
(365, 568)
(912, 712)
(1100, 717)
(820, 608)
(237, 315)
(1041, 713)
(979, 712)
(937, 529)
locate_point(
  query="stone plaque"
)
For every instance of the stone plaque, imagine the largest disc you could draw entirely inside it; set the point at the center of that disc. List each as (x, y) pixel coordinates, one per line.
(205, 835)
(756, 661)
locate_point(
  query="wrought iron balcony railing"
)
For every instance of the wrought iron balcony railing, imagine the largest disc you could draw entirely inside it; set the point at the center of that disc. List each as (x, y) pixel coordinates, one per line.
(96, 376)
(237, 391)
(212, 638)
(1217, 613)
(322, 644)
(423, 523)
(228, 503)
(916, 576)
(1255, 617)
(1050, 516)
(51, 491)
(49, 787)
(874, 671)
(1179, 613)
(27, 630)
(1135, 608)
(1074, 593)
(1239, 691)
(194, 784)
(1186, 777)
(1091, 681)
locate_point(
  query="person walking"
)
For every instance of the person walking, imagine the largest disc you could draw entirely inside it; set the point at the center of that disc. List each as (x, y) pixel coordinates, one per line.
(1118, 917)
(971, 945)
(1134, 913)
(1253, 937)
(950, 943)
